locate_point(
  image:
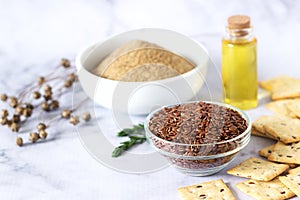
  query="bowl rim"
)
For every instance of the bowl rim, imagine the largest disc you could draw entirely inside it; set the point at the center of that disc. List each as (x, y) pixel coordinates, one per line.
(242, 113)
(79, 63)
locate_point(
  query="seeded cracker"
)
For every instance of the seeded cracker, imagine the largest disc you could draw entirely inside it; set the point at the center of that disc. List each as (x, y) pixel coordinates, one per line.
(283, 87)
(260, 122)
(213, 190)
(265, 152)
(272, 190)
(284, 129)
(292, 181)
(258, 126)
(261, 134)
(295, 171)
(258, 169)
(286, 153)
(281, 107)
(292, 165)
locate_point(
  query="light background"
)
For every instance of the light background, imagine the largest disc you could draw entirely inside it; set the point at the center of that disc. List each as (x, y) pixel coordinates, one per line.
(34, 35)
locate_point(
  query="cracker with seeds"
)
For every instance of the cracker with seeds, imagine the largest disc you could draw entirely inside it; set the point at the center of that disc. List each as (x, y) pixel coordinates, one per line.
(284, 129)
(258, 126)
(261, 134)
(281, 107)
(295, 171)
(294, 107)
(283, 87)
(216, 189)
(286, 153)
(258, 169)
(292, 181)
(292, 165)
(272, 190)
(260, 122)
(265, 152)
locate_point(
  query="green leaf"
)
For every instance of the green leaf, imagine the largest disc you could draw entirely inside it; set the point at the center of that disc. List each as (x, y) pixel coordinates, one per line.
(117, 152)
(136, 135)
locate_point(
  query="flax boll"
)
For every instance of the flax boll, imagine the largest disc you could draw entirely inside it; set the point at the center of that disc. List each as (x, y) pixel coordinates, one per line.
(45, 106)
(72, 77)
(33, 137)
(86, 116)
(41, 126)
(68, 83)
(41, 80)
(36, 95)
(27, 112)
(4, 113)
(43, 134)
(66, 114)
(65, 63)
(20, 110)
(74, 120)
(47, 95)
(54, 105)
(13, 102)
(16, 118)
(19, 141)
(3, 97)
(15, 127)
(3, 121)
(29, 105)
(9, 123)
(47, 88)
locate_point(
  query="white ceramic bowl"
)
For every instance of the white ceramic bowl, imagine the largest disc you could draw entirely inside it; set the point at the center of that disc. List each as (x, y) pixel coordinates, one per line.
(143, 97)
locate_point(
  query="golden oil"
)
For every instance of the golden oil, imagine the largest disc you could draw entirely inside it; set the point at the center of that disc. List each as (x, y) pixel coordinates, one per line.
(239, 64)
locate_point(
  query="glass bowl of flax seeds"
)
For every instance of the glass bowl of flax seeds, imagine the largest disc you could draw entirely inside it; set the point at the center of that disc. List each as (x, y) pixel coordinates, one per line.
(198, 138)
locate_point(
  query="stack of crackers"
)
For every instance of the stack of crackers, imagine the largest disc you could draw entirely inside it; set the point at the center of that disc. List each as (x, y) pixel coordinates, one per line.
(278, 177)
(274, 178)
(266, 179)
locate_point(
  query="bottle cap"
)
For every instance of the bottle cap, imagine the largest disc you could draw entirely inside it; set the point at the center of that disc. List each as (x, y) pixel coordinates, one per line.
(238, 22)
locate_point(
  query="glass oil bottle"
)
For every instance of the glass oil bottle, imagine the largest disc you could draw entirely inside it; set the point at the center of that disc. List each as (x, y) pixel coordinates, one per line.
(239, 63)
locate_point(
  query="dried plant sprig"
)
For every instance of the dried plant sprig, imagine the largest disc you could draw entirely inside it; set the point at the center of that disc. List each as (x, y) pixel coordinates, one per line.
(64, 63)
(23, 105)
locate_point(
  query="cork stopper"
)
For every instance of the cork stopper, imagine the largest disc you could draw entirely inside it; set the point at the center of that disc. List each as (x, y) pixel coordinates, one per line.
(238, 22)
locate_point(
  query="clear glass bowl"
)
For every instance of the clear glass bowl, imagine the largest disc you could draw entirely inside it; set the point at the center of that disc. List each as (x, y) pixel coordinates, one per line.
(210, 158)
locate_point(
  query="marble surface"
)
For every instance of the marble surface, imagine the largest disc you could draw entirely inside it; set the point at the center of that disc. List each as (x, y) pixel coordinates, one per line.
(34, 35)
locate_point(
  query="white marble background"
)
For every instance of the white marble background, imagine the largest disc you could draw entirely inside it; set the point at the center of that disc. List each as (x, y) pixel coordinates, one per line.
(34, 34)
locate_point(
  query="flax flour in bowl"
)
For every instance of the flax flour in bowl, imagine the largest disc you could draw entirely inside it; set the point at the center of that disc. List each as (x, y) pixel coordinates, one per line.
(139, 60)
(136, 71)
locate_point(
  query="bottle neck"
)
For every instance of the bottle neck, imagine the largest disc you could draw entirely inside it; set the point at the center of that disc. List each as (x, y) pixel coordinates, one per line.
(245, 34)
